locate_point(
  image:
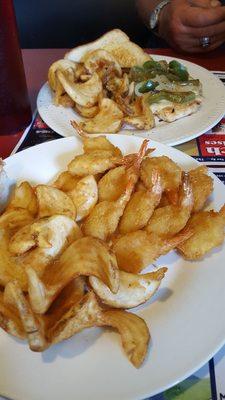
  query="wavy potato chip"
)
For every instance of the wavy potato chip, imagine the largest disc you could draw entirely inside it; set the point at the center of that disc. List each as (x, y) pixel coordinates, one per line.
(133, 289)
(107, 120)
(24, 197)
(52, 201)
(66, 66)
(83, 314)
(84, 195)
(133, 330)
(84, 257)
(85, 93)
(10, 320)
(31, 324)
(87, 112)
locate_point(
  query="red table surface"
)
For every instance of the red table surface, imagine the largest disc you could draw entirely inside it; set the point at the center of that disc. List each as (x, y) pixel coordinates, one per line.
(37, 62)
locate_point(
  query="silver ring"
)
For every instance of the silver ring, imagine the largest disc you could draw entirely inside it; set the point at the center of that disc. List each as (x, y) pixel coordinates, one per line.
(205, 41)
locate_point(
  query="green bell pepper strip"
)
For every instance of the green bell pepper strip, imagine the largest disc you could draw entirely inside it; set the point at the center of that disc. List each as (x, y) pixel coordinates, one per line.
(175, 97)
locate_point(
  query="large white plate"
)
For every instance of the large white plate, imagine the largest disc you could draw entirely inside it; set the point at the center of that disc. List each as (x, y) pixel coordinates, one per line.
(186, 318)
(183, 130)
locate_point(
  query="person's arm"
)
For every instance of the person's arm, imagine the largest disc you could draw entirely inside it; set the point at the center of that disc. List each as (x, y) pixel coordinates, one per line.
(145, 7)
(182, 23)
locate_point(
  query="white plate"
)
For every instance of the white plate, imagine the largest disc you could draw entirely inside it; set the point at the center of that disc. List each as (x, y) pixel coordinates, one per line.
(186, 317)
(183, 130)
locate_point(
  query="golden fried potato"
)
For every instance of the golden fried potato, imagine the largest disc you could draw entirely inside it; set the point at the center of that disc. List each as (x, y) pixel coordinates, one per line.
(208, 232)
(15, 218)
(31, 325)
(133, 289)
(144, 249)
(141, 206)
(84, 195)
(67, 298)
(66, 181)
(10, 320)
(202, 186)
(107, 120)
(65, 101)
(10, 268)
(62, 231)
(24, 197)
(133, 330)
(112, 184)
(170, 172)
(167, 221)
(87, 112)
(52, 233)
(85, 257)
(55, 233)
(52, 201)
(92, 163)
(84, 93)
(82, 314)
(66, 66)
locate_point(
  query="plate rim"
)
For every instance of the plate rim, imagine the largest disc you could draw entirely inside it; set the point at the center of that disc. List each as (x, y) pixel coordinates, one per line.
(193, 161)
(139, 133)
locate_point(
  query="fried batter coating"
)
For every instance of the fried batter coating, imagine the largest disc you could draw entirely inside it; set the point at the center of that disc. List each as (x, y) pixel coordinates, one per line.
(170, 172)
(99, 143)
(171, 219)
(208, 232)
(112, 184)
(136, 250)
(92, 163)
(202, 186)
(141, 206)
(104, 218)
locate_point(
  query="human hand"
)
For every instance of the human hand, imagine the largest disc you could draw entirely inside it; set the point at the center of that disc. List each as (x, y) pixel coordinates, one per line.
(183, 23)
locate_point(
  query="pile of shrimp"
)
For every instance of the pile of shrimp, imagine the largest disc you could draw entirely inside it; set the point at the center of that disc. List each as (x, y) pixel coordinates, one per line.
(146, 205)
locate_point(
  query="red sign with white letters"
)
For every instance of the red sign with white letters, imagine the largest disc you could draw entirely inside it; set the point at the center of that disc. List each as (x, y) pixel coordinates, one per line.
(212, 145)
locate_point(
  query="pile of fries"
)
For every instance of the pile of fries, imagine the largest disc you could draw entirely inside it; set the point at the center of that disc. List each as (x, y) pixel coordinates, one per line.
(71, 252)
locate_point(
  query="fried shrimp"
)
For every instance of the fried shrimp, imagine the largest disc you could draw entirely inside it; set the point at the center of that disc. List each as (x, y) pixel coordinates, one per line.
(104, 217)
(91, 144)
(202, 186)
(136, 250)
(169, 220)
(208, 232)
(141, 206)
(170, 174)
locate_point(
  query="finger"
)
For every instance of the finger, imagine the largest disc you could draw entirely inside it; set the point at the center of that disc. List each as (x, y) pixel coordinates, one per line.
(210, 31)
(202, 17)
(204, 3)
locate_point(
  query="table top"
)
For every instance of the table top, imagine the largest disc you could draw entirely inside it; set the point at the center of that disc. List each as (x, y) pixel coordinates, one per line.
(37, 62)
